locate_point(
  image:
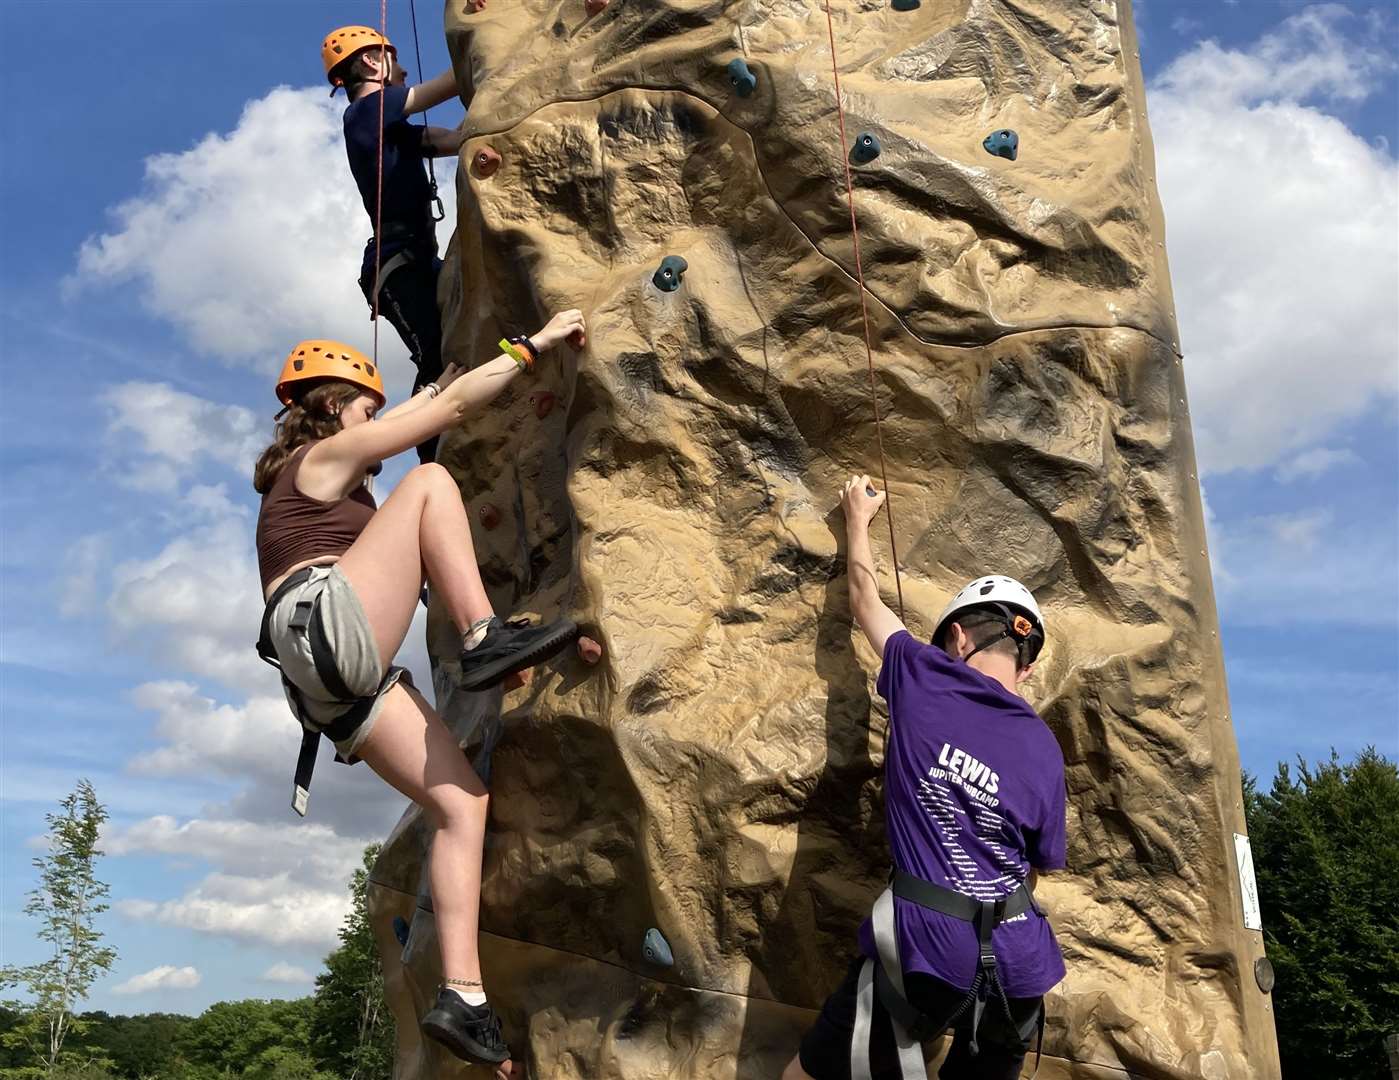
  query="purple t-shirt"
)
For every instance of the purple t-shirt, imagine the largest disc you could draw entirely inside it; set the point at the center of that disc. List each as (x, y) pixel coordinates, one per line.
(974, 797)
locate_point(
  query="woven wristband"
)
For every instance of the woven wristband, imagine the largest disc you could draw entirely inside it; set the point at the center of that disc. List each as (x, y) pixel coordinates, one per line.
(523, 362)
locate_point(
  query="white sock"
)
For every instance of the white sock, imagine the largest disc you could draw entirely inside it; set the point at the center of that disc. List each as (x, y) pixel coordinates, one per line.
(475, 634)
(471, 997)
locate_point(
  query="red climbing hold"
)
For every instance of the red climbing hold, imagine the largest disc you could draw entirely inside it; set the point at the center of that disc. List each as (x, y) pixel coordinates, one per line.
(477, 5)
(517, 679)
(589, 650)
(543, 403)
(490, 516)
(487, 161)
(577, 340)
(595, 7)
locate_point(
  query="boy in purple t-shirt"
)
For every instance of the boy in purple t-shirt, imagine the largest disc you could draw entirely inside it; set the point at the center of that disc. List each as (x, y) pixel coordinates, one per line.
(974, 799)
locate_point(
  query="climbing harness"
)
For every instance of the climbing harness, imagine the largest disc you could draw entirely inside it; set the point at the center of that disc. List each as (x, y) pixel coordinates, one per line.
(308, 619)
(884, 977)
(864, 310)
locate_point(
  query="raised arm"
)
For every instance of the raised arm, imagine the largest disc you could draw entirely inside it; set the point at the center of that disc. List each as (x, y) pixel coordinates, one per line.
(433, 92)
(442, 142)
(354, 449)
(870, 611)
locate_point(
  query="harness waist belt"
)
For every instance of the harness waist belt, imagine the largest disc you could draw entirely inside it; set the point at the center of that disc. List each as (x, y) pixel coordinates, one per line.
(960, 906)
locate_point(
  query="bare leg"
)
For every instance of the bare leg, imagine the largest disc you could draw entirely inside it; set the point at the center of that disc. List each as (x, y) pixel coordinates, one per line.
(411, 748)
(421, 527)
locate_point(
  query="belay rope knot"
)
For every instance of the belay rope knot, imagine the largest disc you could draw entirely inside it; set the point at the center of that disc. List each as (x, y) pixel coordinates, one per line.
(864, 311)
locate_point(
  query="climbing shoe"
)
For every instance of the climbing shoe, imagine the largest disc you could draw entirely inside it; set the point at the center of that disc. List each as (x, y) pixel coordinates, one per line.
(512, 646)
(472, 1032)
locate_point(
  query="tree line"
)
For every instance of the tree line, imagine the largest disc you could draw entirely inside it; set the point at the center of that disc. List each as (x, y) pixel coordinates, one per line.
(1325, 844)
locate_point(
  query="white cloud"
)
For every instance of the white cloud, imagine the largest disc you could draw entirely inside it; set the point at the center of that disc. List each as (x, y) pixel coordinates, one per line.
(177, 432)
(200, 736)
(82, 568)
(268, 910)
(1283, 229)
(252, 240)
(165, 977)
(1310, 464)
(287, 974)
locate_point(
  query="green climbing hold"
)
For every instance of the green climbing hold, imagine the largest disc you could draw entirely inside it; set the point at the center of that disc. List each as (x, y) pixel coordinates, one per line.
(865, 150)
(743, 80)
(400, 929)
(905, 5)
(670, 273)
(1004, 143)
(656, 949)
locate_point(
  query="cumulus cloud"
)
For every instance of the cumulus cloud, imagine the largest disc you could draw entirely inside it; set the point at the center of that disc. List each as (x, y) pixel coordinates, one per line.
(251, 240)
(165, 977)
(1310, 464)
(1283, 229)
(82, 571)
(176, 433)
(287, 974)
(270, 910)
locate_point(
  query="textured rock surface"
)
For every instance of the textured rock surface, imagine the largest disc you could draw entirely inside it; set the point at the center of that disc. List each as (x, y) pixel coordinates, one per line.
(716, 774)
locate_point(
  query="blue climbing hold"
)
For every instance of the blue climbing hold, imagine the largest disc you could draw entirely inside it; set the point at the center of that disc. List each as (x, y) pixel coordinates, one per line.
(656, 949)
(670, 273)
(905, 5)
(744, 81)
(400, 929)
(865, 150)
(1004, 143)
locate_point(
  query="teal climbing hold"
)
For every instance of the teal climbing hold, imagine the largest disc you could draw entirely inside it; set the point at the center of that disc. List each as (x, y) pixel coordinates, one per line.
(865, 150)
(400, 929)
(670, 273)
(905, 5)
(656, 949)
(743, 80)
(1004, 143)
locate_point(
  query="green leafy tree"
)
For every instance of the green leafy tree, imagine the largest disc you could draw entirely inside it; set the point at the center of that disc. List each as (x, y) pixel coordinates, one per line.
(1326, 852)
(66, 903)
(353, 1026)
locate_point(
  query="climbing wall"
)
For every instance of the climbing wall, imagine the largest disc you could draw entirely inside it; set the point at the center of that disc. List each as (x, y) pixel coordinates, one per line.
(676, 169)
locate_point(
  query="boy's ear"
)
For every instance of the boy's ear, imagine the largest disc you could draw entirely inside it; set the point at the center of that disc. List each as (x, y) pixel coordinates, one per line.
(1022, 674)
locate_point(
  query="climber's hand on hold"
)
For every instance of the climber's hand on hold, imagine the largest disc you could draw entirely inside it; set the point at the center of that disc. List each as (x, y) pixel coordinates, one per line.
(563, 325)
(450, 374)
(860, 502)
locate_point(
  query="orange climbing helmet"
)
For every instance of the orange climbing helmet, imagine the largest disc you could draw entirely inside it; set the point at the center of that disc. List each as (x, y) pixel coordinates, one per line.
(340, 45)
(318, 360)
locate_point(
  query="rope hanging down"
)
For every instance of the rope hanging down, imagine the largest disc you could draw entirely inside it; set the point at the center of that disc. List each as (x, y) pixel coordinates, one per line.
(864, 310)
(438, 211)
(379, 187)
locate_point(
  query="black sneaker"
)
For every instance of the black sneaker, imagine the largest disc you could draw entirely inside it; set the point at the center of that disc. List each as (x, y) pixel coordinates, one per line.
(510, 647)
(472, 1032)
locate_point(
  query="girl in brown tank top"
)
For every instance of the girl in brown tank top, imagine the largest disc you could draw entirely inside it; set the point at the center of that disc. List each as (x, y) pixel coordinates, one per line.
(316, 510)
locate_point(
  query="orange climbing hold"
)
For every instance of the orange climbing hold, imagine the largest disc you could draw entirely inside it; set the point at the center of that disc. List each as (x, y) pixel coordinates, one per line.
(543, 403)
(487, 161)
(518, 679)
(589, 650)
(489, 515)
(595, 7)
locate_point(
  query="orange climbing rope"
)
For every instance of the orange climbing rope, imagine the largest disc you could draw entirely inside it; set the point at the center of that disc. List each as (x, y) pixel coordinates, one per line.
(864, 311)
(379, 188)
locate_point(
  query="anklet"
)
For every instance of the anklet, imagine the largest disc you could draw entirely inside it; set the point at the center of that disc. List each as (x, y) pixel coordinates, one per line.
(463, 982)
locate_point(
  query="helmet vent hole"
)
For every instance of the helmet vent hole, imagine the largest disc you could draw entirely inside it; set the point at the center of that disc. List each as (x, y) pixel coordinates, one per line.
(298, 364)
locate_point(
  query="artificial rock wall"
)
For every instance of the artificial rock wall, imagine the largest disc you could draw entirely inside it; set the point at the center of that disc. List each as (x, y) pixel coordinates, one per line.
(674, 488)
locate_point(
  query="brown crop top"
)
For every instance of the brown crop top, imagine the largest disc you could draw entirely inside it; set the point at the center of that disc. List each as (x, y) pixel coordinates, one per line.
(292, 527)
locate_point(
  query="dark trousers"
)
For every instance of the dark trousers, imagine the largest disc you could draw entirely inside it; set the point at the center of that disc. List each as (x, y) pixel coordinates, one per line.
(825, 1051)
(408, 300)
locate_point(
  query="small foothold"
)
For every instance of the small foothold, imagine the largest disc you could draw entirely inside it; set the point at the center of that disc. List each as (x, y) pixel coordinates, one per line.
(400, 929)
(656, 949)
(589, 650)
(670, 273)
(517, 680)
(477, 5)
(905, 5)
(543, 403)
(487, 161)
(743, 80)
(490, 516)
(865, 150)
(1004, 143)
(595, 7)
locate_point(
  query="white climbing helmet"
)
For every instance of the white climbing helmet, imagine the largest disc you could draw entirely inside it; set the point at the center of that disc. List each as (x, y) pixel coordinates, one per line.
(996, 590)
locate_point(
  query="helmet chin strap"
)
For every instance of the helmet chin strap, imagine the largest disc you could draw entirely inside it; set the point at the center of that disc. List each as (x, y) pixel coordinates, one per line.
(1008, 630)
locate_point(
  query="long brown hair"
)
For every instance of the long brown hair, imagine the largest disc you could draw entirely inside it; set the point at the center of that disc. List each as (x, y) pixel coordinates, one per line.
(313, 416)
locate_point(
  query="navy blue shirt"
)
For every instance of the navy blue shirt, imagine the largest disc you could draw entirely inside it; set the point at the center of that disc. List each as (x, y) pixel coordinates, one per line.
(407, 209)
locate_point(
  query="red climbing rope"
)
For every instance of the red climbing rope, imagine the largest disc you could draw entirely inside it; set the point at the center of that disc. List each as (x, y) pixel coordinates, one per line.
(379, 188)
(864, 311)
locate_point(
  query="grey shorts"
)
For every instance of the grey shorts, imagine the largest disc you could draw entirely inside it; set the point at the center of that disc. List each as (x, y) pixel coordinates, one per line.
(328, 595)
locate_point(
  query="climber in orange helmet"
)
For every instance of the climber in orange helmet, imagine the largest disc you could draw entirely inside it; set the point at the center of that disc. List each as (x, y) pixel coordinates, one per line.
(400, 264)
(341, 579)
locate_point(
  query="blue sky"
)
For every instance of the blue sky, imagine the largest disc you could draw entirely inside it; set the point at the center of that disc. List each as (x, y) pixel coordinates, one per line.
(173, 232)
